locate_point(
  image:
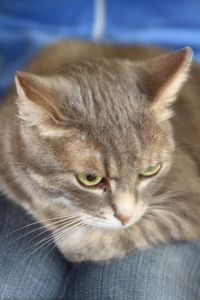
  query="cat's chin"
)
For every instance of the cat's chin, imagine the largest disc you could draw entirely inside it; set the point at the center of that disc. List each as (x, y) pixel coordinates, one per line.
(112, 225)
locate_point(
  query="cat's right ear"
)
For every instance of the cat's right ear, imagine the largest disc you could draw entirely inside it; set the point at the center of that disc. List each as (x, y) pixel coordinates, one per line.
(37, 102)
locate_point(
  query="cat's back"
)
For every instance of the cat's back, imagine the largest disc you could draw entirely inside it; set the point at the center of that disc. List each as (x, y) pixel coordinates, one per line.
(64, 52)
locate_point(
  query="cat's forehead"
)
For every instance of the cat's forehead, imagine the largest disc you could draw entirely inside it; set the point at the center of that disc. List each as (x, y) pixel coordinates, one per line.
(111, 78)
(108, 107)
(103, 91)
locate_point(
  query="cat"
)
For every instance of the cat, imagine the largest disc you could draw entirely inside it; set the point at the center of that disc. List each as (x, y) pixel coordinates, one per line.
(94, 145)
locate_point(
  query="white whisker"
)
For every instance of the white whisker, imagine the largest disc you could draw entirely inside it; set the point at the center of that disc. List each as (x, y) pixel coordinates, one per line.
(62, 236)
(44, 220)
(59, 232)
(44, 228)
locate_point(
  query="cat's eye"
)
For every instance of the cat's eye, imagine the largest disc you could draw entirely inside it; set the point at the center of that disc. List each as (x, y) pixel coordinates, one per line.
(89, 180)
(151, 170)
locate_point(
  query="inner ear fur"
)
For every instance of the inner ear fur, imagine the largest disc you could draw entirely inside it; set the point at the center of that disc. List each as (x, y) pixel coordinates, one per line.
(163, 76)
(36, 97)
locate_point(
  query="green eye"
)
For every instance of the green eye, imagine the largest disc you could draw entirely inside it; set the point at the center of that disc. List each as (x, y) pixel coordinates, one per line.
(89, 179)
(151, 170)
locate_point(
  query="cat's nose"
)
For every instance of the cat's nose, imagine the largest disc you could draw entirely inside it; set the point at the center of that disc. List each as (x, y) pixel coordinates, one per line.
(124, 219)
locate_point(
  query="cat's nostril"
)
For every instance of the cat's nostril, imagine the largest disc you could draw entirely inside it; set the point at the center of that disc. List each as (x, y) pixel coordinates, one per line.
(124, 219)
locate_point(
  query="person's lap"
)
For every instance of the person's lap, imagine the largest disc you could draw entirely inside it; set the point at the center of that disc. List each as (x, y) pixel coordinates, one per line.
(161, 273)
(169, 272)
(27, 273)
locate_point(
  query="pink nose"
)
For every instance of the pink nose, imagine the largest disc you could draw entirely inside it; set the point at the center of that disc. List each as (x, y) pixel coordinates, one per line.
(124, 219)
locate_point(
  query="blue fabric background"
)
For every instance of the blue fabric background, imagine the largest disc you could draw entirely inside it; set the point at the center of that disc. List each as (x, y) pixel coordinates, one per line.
(26, 25)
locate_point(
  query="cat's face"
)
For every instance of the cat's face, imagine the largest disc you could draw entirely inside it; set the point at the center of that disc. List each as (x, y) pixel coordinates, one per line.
(101, 141)
(112, 173)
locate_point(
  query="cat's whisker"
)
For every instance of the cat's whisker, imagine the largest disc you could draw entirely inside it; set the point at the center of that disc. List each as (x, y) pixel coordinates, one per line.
(44, 220)
(165, 196)
(44, 228)
(60, 240)
(73, 229)
(63, 235)
(160, 211)
(49, 239)
(156, 208)
(69, 232)
(184, 146)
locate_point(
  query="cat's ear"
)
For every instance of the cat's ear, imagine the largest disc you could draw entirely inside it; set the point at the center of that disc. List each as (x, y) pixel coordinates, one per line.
(37, 100)
(164, 75)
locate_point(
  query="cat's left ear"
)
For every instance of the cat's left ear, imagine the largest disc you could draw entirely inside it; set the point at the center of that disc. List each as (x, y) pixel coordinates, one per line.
(162, 77)
(36, 94)
(38, 103)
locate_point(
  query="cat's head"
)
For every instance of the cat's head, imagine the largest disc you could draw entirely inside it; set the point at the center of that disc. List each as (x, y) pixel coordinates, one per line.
(97, 135)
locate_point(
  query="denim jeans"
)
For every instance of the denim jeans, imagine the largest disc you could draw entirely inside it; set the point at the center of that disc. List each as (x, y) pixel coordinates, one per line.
(30, 271)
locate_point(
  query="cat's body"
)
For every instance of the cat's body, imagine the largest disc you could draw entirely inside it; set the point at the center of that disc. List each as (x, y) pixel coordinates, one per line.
(90, 128)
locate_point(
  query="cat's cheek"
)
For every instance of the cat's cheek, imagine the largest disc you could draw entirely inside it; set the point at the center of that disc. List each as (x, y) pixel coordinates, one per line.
(143, 184)
(152, 184)
(65, 202)
(106, 220)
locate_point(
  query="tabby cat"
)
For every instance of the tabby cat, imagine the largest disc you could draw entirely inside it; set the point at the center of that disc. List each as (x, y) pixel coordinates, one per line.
(94, 145)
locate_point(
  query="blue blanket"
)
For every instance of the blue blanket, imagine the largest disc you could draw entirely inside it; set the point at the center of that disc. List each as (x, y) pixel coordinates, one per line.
(26, 26)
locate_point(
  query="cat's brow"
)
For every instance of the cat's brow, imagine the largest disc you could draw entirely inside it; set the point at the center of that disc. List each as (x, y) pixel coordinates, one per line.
(111, 168)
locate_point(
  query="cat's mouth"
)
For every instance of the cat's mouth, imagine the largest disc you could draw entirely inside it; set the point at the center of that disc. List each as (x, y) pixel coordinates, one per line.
(112, 226)
(108, 218)
(109, 221)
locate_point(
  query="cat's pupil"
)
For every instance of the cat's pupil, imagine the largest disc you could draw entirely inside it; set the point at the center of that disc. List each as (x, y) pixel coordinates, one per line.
(91, 177)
